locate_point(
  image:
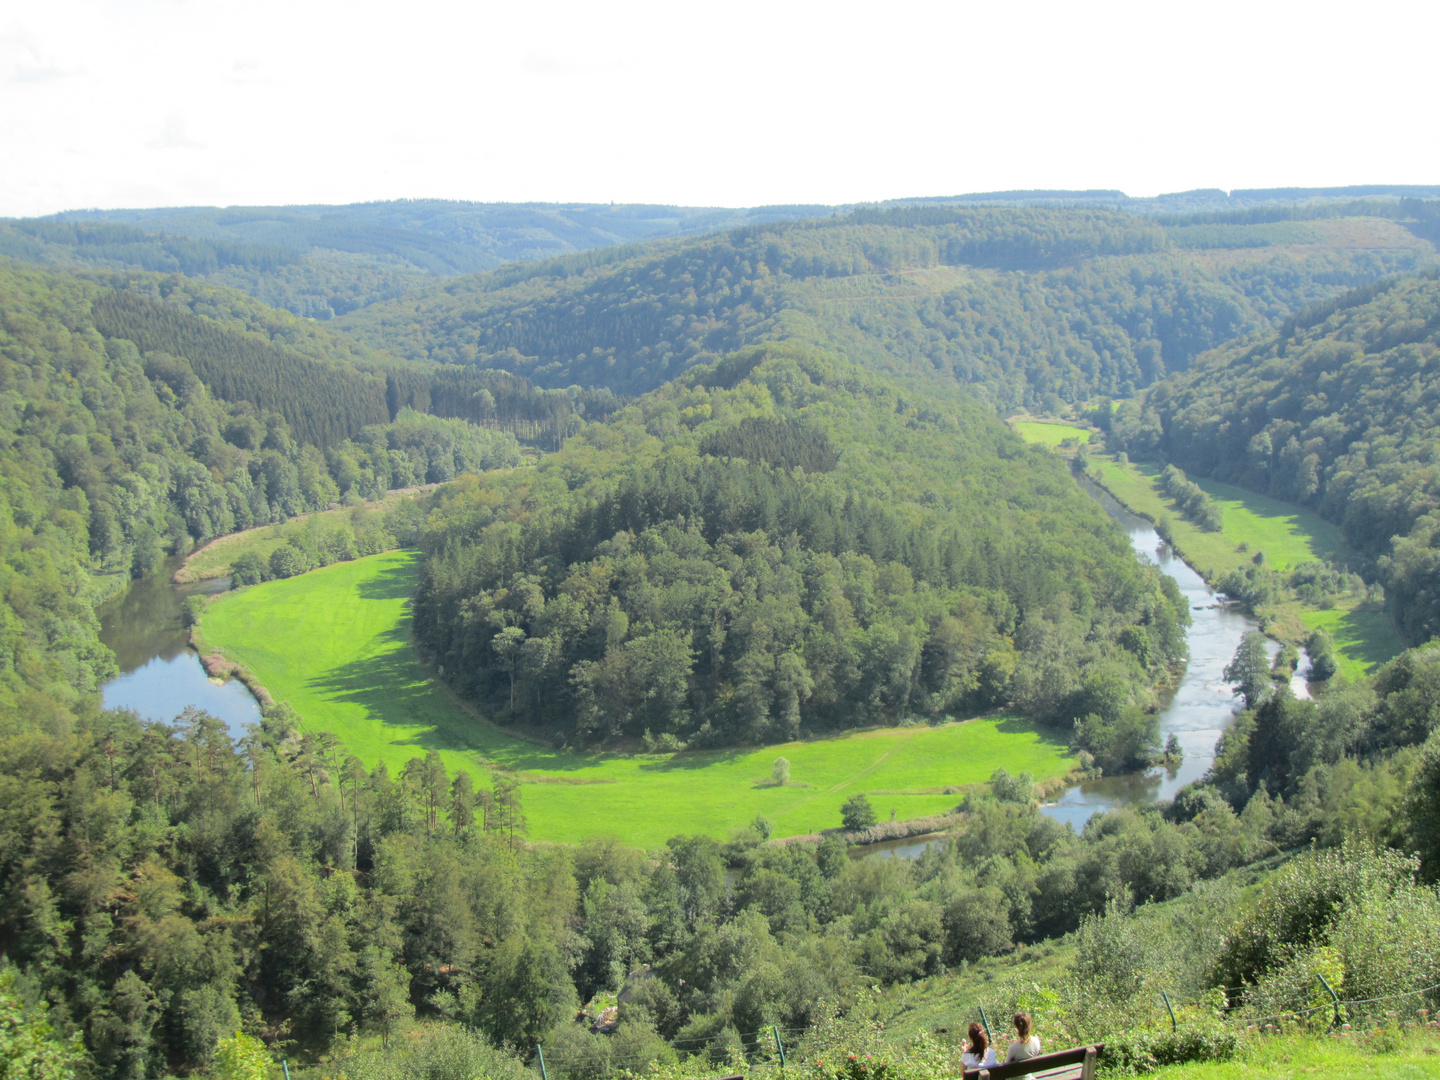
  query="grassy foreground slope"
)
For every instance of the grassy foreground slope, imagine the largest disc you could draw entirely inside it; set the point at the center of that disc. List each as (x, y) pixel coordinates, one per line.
(335, 645)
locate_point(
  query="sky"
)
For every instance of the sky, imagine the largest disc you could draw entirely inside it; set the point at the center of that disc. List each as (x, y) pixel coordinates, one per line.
(142, 103)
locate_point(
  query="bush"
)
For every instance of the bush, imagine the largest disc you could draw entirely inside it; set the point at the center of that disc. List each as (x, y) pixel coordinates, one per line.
(248, 569)
(436, 1052)
(1304, 904)
(288, 560)
(857, 813)
(1016, 789)
(1128, 1053)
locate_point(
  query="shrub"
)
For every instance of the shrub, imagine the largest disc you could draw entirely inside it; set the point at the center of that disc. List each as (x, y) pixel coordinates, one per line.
(1128, 1053)
(248, 569)
(857, 813)
(1016, 789)
(288, 560)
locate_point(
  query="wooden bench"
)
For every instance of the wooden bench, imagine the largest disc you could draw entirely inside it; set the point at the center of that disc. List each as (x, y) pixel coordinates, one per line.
(1066, 1065)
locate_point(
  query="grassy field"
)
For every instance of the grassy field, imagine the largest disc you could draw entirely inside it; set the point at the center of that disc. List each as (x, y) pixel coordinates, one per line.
(335, 645)
(1415, 1056)
(1288, 534)
(1050, 432)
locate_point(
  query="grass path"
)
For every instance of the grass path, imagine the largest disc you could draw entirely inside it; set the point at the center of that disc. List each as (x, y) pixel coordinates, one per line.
(335, 645)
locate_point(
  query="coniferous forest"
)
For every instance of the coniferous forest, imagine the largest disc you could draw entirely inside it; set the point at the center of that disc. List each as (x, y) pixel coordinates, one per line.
(698, 481)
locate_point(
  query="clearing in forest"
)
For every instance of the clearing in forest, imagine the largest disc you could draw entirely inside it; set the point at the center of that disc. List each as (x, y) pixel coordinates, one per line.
(1050, 432)
(335, 645)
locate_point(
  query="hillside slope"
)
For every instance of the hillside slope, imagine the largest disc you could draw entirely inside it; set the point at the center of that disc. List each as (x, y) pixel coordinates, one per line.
(1020, 303)
(1338, 411)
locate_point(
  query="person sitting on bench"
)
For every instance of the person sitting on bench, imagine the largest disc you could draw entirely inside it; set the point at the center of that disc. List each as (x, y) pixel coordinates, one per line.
(1027, 1045)
(980, 1054)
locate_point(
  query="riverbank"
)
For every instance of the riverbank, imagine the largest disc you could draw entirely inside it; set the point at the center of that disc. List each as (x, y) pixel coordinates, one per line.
(1287, 535)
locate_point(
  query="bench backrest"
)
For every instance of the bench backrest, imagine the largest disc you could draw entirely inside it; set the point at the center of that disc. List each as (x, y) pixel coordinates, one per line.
(1077, 1062)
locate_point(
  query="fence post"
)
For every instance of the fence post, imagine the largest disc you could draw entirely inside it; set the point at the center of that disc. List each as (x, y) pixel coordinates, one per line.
(540, 1053)
(1173, 1025)
(779, 1048)
(989, 1031)
(1329, 990)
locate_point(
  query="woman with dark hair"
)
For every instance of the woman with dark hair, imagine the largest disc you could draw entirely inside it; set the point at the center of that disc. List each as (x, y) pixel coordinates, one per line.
(1027, 1043)
(979, 1054)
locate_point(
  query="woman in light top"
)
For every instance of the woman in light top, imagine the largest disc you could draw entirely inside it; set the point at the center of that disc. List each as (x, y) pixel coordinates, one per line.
(1027, 1043)
(979, 1054)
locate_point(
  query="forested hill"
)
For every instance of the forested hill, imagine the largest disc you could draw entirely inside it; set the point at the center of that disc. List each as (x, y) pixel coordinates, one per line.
(323, 261)
(320, 261)
(114, 450)
(1339, 411)
(1020, 303)
(783, 543)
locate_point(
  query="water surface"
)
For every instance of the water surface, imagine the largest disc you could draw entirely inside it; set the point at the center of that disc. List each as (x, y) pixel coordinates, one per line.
(160, 675)
(1201, 706)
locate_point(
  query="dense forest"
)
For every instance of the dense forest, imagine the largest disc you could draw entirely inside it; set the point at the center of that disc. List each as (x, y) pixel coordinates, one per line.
(1029, 306)
(1338, 412)
(779, 544)
(114, 453)
(163, 888)
(323, 261)
(808, 527)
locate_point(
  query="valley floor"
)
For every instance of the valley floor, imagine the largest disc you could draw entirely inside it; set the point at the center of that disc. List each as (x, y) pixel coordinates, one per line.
(335, 645)
(1287, 534)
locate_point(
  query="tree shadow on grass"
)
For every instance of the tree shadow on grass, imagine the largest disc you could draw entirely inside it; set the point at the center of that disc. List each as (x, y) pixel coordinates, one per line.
(1366, 635)
(1050, 736)
(696, 759)
(394, 688)
(395, 582)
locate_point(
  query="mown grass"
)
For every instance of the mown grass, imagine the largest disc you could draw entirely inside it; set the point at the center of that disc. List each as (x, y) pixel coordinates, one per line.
(1287, 534)
(1050, 432)
(335, 645)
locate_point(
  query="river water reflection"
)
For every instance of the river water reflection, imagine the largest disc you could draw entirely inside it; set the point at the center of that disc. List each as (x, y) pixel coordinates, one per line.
(1200, 708)
(160, 675)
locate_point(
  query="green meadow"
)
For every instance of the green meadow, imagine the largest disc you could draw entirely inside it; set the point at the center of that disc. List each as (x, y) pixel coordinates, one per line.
(1288, 534)
(335, 645)
(1051, 433)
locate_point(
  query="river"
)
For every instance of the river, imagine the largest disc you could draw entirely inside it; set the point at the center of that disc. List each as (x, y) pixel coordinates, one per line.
(161, 676)
(1196, 712)
(1201, 706)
